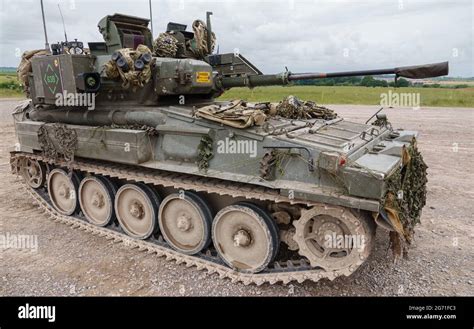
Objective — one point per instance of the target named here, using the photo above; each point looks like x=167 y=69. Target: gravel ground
x=70 y=262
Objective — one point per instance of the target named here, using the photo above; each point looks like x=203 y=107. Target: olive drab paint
x=304 y=161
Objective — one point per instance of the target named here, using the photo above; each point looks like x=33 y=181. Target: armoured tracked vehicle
x=143 y=153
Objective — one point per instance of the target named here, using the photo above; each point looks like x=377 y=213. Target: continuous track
x=208 y=260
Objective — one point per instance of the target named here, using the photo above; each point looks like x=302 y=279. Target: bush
x=11 y=85
x=369 y=81
x=403 y=82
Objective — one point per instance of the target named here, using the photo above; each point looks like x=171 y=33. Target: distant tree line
x=8 y=70
x=367 y=81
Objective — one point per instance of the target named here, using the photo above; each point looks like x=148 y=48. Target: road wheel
x=136 y=207
x=62 y=189
x=245 y=238
x=96 y=197
x=185 y=222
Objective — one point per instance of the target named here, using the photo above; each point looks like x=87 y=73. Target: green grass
x=7 y=77
x=9 y=86
x=7 y=93
x=353 y=95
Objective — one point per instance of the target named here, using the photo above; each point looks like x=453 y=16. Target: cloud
x=306 y=35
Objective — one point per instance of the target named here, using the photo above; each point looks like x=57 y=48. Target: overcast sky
x=304 y=35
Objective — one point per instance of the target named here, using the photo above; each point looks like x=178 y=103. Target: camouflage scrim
x=131 y=77
x=241 y=114
x=294 y=108
x=57 y=140
x=198 y=45
x=170 y=45
x=237 y=114
x=205 y=153
x=166 y=45
x=25 y=67
x=406 y=196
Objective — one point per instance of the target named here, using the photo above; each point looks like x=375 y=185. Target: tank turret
x=115 y=69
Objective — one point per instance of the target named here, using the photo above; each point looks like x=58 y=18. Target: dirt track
x=441 y=262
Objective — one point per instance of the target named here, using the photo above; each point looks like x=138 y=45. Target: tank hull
x=284 y=176
x=174 y=146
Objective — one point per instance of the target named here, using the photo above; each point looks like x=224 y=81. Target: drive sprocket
x=334 y=238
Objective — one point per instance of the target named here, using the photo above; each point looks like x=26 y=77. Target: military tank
x=143 y=153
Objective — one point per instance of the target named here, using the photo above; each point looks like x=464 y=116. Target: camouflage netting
x=166 y=45
x=237 y=114
x=205 y=153
x=294 y=108
x=25 y=68
x=198 y=45
x=406 y=197
x=131 y=77
x=57 y=140
x=150 y=131
x=272 y=163
x=241 y=114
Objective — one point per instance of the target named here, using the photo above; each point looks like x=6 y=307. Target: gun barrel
x=311 y=76
x=411 y=72
x=256 y=80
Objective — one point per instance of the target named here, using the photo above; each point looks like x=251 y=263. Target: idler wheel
x=34 y=172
